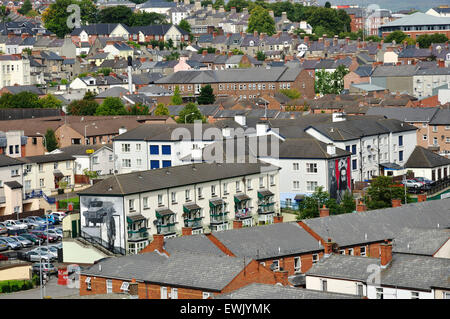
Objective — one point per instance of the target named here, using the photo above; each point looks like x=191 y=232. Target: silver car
x=23 y=241
x=11 y=243
x=3 y=229
x=34 y=256
x=51 y=250
x=30 y=223
x=16 y=223
x=55 y=233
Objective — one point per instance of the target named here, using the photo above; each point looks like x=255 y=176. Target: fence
x=39 y=212
x=439 y=185
x=99 y=241
x=81 y=179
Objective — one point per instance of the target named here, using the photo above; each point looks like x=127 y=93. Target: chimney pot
x=277 y=219
x=186 y=231
x=324 y=211
x=237 y=224
x=281 y=276
x=396 y=202
x=386 y=254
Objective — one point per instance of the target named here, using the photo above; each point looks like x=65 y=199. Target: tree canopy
x=28 y=100
x=111 y=106
x=26 y=7
x=330 y=83
x=125 y=15
x=161 y=109
x=206 y=95
x=82 y=107
x=50 y=140
x=184 y=25
x=261 y=21
x=426 y=40
x=192 y=113
x=381 y=192
x=176 y=98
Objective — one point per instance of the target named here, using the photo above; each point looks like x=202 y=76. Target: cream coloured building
x=14 y=70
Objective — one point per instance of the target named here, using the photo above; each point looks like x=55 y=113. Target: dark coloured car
x=43 y=235
x=33 y=238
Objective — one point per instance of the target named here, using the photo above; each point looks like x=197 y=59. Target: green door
x=74 y=229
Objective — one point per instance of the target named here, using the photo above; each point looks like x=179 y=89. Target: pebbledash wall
x=254 y=272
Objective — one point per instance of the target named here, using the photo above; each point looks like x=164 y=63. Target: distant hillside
x=393 y=5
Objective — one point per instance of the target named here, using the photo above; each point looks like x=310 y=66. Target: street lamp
x=85 y=141
x=185 y=118
x=45 y=140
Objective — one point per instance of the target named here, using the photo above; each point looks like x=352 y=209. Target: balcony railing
x=166 y=229
x=266 y=208
x=219 y=217
x=138 y=234
x=243 y=213
x=194 y=223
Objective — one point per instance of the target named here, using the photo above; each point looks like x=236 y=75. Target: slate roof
x=75 y=150
x=420 y=241
x=424 y=158
x=198 y=244
x=265 y=291
x=199 y=271
x=24 y=88
x=48 y=158
x=364 y=70
x=417 y=19
x=441 y=117
x=174 y=176
x=394 y=71
x=381 y=224
x=112 y=92
x=268 y=241
x=13 y=184
x=406 y=114
x=404 y=271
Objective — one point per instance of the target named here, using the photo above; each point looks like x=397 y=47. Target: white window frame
x=351 y=251
x=379 y=293
x=365 y=251
x=415 y=295
x=206 y=295
x=109 y=286
x=277 y=262
x=297 y=264
x=311 y=168
x=125 y=285
x=295 y=166
x=323 y=285
x=316 y=259
x=88 y=283
x=174 y=293
x=359 y=286
x=163 y=292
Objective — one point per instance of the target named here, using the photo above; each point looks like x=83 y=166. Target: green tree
x=381 y=192
x=82 y=107
x=261 y=21
x=50 y=140
x=426 y=40
x=4 y=12
x=111 y=106
x=397 y=36
x=348 y=203
x=291 y=93
x=20 y=100
x=176 y=98
x=218 y=3
x=161 y=109
x=206 y=95
x=327 y=4
x=50 y=102
x=145 y=18
x=115 y=14
x=184 y=25
x=192 y=113
x=238 y=4
x=260 y=56
x=25 y=8
x=330 y=83
x=104 y=71
x=138 y=109
x=309 y=207
x=338 y=79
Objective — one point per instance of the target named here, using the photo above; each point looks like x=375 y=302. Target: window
x=213 y=190
x=414 y=295
x=14 y=172
x=238 y=185
x=88 y=283
x=109 y=286
x=311 y=186
x=55 y=165
x=435 y=129
x=138 y=162
x=199 y=192
x=126 y=148
x=166 y=163
x=296 y=184
x=354 y=164
x=323 y=285
x=249 y=184
x=163 y=292
x=272 y=180
x=11 y=149
x=400 y=156
x=400 y=140
x=173 y=196
x=354 y=149
x=425 y=137
x=359 y=289
x=342 y=251
x=154 y=164
x=297 y=264
x=261 y=182
x=138 y=147
x=225 y=188
x=206 y=295
x=145 y=202
x=187 y=194
x=362 y=250
x=165 y=149
x=131 y=205
x=154 y=149
x=126 y=162
x=174 y=293
x=311 y=167
x=160 y=199
x=315 y=258
x=379 y=292
x=124 y=286
x=276 y=265
x=295 y=166
x=350 y=251
x=41 y=182
x=17 y=149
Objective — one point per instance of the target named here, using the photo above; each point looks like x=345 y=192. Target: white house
x=14 y=70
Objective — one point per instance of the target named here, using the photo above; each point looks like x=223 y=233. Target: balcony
x=166 y=229
x=266 y=208
x=194 y=223
x=218 y=217
x=137 y=235
x=243 y=213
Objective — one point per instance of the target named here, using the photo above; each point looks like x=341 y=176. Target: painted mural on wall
x=339 y=175
x=103 y=218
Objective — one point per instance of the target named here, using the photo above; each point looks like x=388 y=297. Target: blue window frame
x=154 y=164
x=354 y=149
x=166 y=163
x=354 y=166
x=154 y=149
x=400 y=140
x=165 y=149
x=347 y=148
x=400 y=156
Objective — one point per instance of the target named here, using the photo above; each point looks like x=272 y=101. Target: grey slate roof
x=394 y=71
x=404 y=271
x=5 y=160
x=199 y=271
x=424 y=158
x=198 y=244
x=269 y=241
x=406 y=114
x=48 y=158
x=81 y=149
x=381 y=224
x=13 y=184
x=420 y=241
x=265 y=291
x=174 y=176
x=441 y=117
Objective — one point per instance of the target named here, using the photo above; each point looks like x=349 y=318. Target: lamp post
x=48 y=250
x=185 y=118
x=85 y=141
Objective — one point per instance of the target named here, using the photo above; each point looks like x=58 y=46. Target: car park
x=59 y=216
x=3 y=229
x=47 y=268
x=33 y=238
x=11 y=243
x=411 y=183
x=30 y=223
x=23 y=241
x=18 y=224
x=53 y=232
x=9 y=227
x=44 y=250
x=43 y=235
x=35 y=256
x=3 y=246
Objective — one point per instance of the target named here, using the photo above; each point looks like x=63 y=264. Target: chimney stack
x=186 y=231
x=281 y=276
x=237 y=224
x=324 y=211
x=204 y=52
x=328 y=247
x=158 y=242
x=133 y=288
x=277 y=219
x=360 y=206
x=386 y=254
x=396 y=202
x=233 y=10
x=422 y=197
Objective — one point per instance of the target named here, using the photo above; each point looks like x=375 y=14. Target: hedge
x=15 y=285
x=63 y=203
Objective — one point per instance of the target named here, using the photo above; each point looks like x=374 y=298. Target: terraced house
x=243 y=83
x=187 y=198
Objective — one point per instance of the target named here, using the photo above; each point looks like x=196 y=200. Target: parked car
x=48 y=268
x=33 y=238
x=3 y=229
x=30 y=223
x=51 y=218
x=23 y=241
x=43 y=235
x=18 y=224
x=8 y=226
x=53 y=232
x=3 y=257
x=3 y=246
x=11 y=243
x=35 y=256
x=59 y=215
x=411 y=183
x=44 y=250
x=424 y=181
